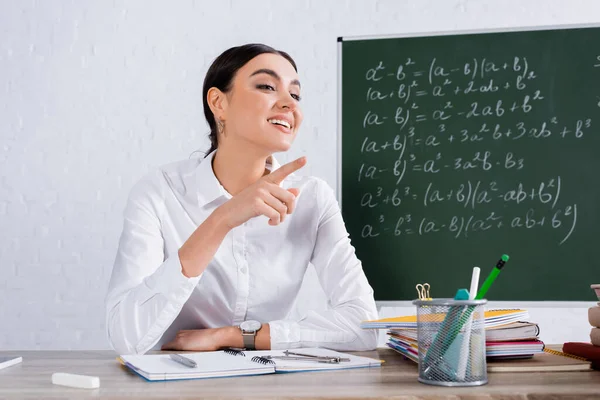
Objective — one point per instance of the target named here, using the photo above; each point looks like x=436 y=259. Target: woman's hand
x=204 y=339
x=264 y=197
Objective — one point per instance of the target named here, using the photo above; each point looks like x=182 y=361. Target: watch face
x=250 y=326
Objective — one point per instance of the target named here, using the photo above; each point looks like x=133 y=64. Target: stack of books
x=506 y=335
x=589 y=351
x=515 y=340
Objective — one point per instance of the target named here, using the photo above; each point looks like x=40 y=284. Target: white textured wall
x=95 y=93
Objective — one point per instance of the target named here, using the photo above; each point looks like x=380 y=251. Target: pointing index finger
x=282 y=172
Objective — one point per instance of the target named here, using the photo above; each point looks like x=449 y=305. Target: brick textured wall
x=95 y=93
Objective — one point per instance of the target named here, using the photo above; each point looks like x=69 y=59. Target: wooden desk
x=397 y=379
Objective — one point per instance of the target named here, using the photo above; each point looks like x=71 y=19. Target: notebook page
x=300 y=365
x=210 y=364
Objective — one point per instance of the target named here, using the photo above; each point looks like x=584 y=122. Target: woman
x=198 y=266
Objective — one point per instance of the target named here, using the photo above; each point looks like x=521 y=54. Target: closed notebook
x=549 y=361
x=214 y=364
x=594 y=316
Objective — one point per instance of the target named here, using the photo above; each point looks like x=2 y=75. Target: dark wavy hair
x=221 y=73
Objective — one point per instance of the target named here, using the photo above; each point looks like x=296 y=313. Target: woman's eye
x=271 y=88
x=266 y=87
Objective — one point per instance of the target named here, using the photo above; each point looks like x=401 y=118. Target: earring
x=221 y=126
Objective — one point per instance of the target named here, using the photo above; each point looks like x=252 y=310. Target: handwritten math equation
x=456 y=123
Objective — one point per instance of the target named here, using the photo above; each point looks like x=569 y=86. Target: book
x=8 y=361
x=548 y=361
x=213 y=364
x=521 y=349
x=409 y=347
x=585 y=350
x=594 y=316
x=492 y=318
x=595 y=336
x=407 y=350
x=514 y=331
x=519 y=330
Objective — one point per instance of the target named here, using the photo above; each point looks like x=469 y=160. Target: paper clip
x=423 y=291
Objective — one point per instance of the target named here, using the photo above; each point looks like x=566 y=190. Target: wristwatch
x=249 y=329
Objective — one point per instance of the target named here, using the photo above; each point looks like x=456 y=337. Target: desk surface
x=397 y=379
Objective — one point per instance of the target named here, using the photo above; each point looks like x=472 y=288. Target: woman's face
x=263 y=104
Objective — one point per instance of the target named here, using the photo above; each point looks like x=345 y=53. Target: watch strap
x=249 y=340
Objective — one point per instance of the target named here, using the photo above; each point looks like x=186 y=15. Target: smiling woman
x=249 y=91
x=213 y=252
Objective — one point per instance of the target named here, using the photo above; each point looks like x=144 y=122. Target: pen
x=326 y=358
x=491 y=277
x=188 y=362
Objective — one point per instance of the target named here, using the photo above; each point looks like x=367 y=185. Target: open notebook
x=214 y=364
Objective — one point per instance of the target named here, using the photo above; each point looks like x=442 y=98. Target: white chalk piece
x=76 y=381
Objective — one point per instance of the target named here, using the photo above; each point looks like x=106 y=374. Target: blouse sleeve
x=345 y=284
x=146 y=291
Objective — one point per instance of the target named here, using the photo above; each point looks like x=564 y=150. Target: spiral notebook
x=216 y=364
x=492 y=318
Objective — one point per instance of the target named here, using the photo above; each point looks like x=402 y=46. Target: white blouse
x=255 y=274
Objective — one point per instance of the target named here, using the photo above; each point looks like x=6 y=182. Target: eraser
x=462 y=294
x=76 y=381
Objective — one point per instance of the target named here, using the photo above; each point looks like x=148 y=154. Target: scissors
x=423 y=291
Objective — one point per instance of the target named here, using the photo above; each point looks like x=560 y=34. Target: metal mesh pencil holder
x=451 y=342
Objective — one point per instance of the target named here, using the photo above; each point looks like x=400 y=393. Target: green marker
x=491 y=277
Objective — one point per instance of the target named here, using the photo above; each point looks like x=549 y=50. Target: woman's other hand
x=203 y=339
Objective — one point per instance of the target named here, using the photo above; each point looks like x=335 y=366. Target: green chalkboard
x=458 y=148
